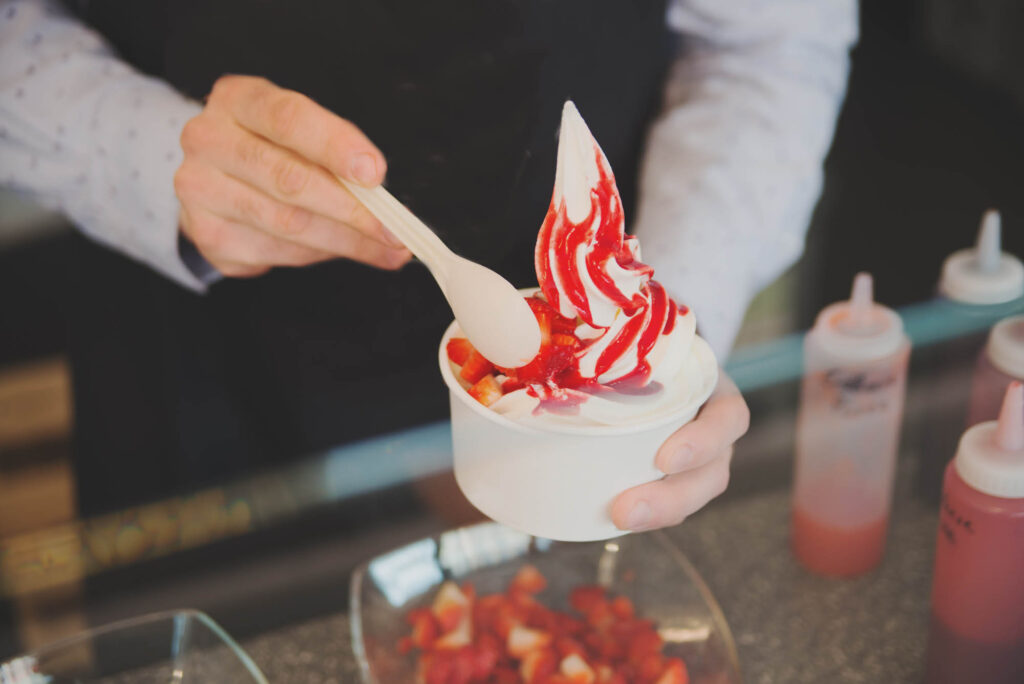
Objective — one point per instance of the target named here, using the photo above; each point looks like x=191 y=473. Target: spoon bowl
x=492 y=313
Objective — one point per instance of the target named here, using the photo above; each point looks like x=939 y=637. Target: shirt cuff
x=138 y=127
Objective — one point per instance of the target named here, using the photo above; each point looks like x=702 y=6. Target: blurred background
x=931 y=135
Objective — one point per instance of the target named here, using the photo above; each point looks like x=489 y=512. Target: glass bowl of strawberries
x=486 y=604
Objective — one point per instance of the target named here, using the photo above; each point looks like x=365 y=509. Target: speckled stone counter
x=790 y=626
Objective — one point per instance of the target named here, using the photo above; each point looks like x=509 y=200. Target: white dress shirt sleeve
x=83 y=132
x=733 y=166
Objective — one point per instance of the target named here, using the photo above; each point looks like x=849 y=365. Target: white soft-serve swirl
x=584 y=202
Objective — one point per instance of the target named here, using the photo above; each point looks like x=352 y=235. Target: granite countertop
x=789 y=626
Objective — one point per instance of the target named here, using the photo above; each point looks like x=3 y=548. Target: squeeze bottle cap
x=983 y=274
x=859 y=329
x=1005 y=346
x=991 y=455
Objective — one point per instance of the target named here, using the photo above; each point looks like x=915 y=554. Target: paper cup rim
x=684 y=411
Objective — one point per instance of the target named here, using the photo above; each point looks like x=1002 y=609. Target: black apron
x=175 y=390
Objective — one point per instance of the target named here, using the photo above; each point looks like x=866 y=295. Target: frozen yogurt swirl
x=587 y=267
x=616 y=349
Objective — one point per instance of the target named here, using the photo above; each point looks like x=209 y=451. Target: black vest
x=173 y=389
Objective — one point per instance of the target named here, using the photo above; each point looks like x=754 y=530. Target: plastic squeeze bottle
x=977 y=625
x=851 y=405
x=1000 y=362
x=983 y=274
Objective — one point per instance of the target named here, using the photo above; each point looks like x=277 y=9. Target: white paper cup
x=557 y=481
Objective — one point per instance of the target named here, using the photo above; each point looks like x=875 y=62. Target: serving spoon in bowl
x=490 y=311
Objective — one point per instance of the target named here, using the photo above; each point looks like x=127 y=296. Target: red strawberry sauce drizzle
x=652 y=312
x=606 y=241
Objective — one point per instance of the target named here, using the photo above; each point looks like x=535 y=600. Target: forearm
x=734 y=164
x=83 y=132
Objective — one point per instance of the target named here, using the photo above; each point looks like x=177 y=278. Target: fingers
x=723 y=420
x=234 y=244
x=220 y=142
x=670 y=500
x=223 y=202
x=295 y=122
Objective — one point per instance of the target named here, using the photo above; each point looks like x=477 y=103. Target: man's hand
x=258 y=188
x=696 y=461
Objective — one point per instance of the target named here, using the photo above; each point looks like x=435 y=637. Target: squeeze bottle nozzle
x=1010 y=427
x=990 y=458
x=989 y=246
x=983 y=274
x=862 y=302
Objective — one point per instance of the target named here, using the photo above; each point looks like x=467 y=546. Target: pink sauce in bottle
x=977 y=621
x=851 y=406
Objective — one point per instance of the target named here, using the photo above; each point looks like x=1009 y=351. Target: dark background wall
x=931 y=135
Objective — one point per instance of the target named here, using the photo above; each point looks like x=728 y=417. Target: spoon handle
x=420 y=240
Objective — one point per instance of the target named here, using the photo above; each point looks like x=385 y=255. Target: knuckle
x=247 y=209
x=290 y=176
x=283 y=113
x=228 y=86
x=250 y=150
x=223 y=87
x=292 y=220
x=192 y=134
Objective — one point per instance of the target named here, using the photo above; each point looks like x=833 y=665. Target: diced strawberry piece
x=600 y=615
x=583 y=598
x=487 y=653
x=424 y=632
x=468 y=590
x=413 y=616
x=576 y=669
x=476 y=367
x=485 y=612
x=642 y=645
x=461 y=635
x=522 y=640
x=486 y=390
x=509 y=615
x=557 y=678
x=543 y=619
x=529 y=580
x=511 y=385
x=463 y=666
x=405 y=645
x=566 y=645
x=564 y=340
x=545 y=315
x=607 y=675
x=651 y=666
x=609 y=647
x=570 y=625
x=622 y=607
x=505 y=675
x=459 y=349
x=675 y=673
x=437 y=669
x=537 y=664
x=450 y=605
